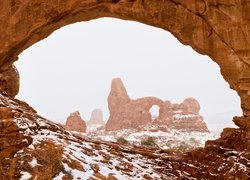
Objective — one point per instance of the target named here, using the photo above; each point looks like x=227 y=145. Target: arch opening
x=219 y=30
x=155 y=112
x=204 y=36
x=76 y=66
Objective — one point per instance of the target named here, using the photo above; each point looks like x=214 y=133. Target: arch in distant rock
x=215 y=28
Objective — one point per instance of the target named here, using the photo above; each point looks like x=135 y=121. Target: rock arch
x=215 y=28
x=127 y=113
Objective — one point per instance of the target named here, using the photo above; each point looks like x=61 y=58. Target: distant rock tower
x=96 y=118
x=75 y=123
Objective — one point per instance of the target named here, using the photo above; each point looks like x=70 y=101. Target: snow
x=94 y=127
x=182 y=116
x=85 y=153
x=33 y=163
x=170 y=139
x=76 y=173
x=25 y=176
x=72 y=151
x=59 y=177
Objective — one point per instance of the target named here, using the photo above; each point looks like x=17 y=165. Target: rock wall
x=217 y=28
x=126 y=113
x=75 y=123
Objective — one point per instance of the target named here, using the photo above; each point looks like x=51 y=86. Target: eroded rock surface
x=33 y=147
x=9 y=81
x=75 y=123
x=126 y=113
x=217 y=28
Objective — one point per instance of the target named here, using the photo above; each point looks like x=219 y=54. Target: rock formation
x=126 y=113
x=9 y=81
x=75 y=123
x=217 y=28
x=33 y=147
x=96 y=120
x=96 y=117
x=118 y=96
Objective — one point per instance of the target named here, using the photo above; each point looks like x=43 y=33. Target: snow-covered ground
x=87 y=154
x=170 y=139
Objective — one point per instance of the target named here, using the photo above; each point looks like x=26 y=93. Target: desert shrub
x=148 y=142
x=121 y=140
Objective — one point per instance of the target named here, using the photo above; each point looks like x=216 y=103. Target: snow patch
x=25 y=176
x=33 y=163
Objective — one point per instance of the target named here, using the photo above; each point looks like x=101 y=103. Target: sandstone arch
x=215 y=28
x=126 y=113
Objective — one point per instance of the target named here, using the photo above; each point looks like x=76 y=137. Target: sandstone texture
x=35 y=148
x=9 y=82
x=75 y=123
x=126 y=113
x=217 y=28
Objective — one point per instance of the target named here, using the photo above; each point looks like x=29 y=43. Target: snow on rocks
x=79 y=156
x=35 y=148
x=169 y=139
x=33 y=163
x=25 y=176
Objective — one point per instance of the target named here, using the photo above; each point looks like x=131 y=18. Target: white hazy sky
x=72 y=70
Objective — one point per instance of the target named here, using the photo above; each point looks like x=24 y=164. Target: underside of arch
x=215 y=28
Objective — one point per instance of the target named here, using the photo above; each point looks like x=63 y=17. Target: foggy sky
x=72 y=70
